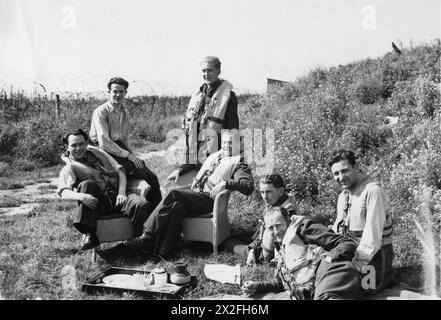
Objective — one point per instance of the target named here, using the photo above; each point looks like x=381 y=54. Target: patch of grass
x=33 y=268
x=10 y=201
x=47 y=187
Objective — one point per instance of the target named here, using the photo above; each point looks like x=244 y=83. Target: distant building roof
x=274 y=83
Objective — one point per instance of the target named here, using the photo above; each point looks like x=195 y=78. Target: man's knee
x=172 y=196
x=137 y=201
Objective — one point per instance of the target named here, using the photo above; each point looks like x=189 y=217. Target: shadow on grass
x=411 y=276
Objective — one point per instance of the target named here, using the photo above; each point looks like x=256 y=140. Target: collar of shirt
x=209 y=89
x=112 y=108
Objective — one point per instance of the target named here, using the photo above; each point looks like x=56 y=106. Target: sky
x=77 y=45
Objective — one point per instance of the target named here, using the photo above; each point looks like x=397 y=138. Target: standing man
x=223 y=170
x=94 y=179
x=110 y=130
x=362 y=213
x=212 y=107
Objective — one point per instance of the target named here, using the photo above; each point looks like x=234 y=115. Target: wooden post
x=153 y=102
x=57 y=106
x=179 y=104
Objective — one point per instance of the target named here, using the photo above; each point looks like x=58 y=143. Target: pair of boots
x=146 y=244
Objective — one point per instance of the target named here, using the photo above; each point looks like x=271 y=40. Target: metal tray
x=170 y=291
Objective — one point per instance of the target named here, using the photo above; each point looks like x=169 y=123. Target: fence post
x=57 y=106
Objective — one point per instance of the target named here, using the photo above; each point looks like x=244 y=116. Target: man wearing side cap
x=212 y=107
x=110 y=130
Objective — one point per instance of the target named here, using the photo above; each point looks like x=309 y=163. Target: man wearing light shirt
x=110 y=130
x=94 y=179
x=362 y=213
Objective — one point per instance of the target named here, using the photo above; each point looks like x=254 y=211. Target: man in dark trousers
x=223 y=170
x=94 y=179
x=110 y=130
x=212 y=107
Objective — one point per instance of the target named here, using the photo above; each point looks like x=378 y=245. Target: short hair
x=279 y=209
x=275 y=179
x=118 y=80
x=79 y=132
x=213 y=60
x=340 y=155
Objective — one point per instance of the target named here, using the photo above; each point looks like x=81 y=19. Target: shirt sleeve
x=102 y=131
x=66 y=179
x=339 y=247
x=242 y=179
x=371 y=238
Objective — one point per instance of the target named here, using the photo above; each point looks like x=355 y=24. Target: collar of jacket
x=209 y=89
x=282 y=199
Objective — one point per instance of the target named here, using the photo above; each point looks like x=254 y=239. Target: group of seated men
x=313 y=261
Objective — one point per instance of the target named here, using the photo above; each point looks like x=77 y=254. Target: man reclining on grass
x=98 y=183
x=313 y=261
x=272 y=189
x=223 y=170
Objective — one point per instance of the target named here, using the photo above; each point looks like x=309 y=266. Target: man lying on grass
x=313 y=261
x=223 y=170
x=98 y=183
x=272 y=189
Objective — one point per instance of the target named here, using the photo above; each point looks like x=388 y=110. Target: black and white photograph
x=219 y=156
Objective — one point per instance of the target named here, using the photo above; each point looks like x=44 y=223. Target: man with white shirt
x=223 y=170
x=110 y=130
x=362 y=213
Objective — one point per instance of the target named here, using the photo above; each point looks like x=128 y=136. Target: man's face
x=209 y=72
x=230 y=146
x=77 y=146
x=270 y=194
x=345 y=174
x=276 y=225
x=117 y=93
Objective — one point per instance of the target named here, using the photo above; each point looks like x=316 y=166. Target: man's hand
x=217 y=189
x=120 y=199
x=138 y=162
x=174 y=176
x=89 y=201
x=249 y=288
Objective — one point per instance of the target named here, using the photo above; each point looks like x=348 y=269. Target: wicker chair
x=211 y=227
x=119 y=227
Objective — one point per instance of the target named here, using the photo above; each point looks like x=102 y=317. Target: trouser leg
x=132 y=172
x=336 y=280
x=382 y=263
x=190 y=202
x=137 y=208
x=86 y=218
x=168 y=244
